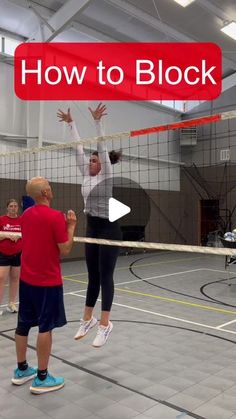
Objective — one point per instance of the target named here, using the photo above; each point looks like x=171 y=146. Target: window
x=178 y=105
x=8 y=45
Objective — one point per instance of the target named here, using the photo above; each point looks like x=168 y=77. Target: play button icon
x=117 y=209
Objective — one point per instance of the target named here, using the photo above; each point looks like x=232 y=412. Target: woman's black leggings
x=101 y=261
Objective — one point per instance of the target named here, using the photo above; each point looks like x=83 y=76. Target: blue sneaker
x=21 y=377
x=49 y=384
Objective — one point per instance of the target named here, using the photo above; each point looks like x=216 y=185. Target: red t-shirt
x=10 y=225
x=42 y=229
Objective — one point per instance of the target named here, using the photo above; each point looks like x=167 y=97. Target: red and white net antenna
x=187 y=123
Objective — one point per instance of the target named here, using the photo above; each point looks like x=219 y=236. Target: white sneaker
x=85 y=326
x=11 y=308
x=102 y=335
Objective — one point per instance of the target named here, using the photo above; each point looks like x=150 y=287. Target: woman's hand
x=99 y=112
x=64 y=117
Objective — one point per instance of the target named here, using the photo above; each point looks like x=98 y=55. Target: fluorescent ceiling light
x=184 y=3
x=230 y=30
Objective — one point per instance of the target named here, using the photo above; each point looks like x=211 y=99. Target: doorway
x=209 y=220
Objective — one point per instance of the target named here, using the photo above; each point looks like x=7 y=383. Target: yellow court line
x=79 y=274
x=140 y=266
x=172 y=300
x=75 y=280
x=167 y=262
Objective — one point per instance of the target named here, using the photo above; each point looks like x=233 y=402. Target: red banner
x=118 y=71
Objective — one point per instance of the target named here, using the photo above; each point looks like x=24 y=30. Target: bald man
x=46 y=234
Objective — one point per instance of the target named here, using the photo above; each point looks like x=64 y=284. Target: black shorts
x=10 y=260
x=40 y=306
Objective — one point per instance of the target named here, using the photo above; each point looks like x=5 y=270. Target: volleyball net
x=179 y=180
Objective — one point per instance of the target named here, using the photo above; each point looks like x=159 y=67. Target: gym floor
x=171 y=353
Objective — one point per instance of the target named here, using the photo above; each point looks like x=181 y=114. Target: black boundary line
x=159 y=286
x=2 y=332
x=213 y=301
x=211 y=298
x=112 y=381
x=115 y=382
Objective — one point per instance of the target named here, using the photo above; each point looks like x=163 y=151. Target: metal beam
x=64 y=16
x=26 y=3
x=149 y=20
x=92 y=33
x=210 y=7
x=228 y=82
x=61 y=19
x=163 y=27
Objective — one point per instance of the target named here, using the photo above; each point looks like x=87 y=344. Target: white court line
x=166 y=275
x=159 y=276
x=131 y=282
x=226 y=324
x=73 y=292
x=216 y=270
x=151 y=277
x=178 y=319
x=68 y=293
x=5 y=305
x=220 y=327
x=148 y=279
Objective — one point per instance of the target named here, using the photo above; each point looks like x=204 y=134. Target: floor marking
x=141 y=279
x=138 y=280
x=226 y=324
x=178 y=319
x=161 y=276
x=216 y=270
x=71 y=275
x=86 y=273
x=74 y=280
x=166 y=262
x=159 y=297
x=74 y=292
x=140 y=265
x=5 y=305
x=173 y=300
x=68 y=277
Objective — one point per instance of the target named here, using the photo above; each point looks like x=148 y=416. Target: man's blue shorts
x=40 y=306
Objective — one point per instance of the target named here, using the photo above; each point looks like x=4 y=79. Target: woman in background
x=10 y=252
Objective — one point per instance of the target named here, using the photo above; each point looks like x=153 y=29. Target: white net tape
x=224 y=251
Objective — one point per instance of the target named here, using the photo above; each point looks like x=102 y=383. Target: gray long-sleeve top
x=96 y=190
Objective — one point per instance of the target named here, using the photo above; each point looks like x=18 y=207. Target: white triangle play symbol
x=117 y=209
